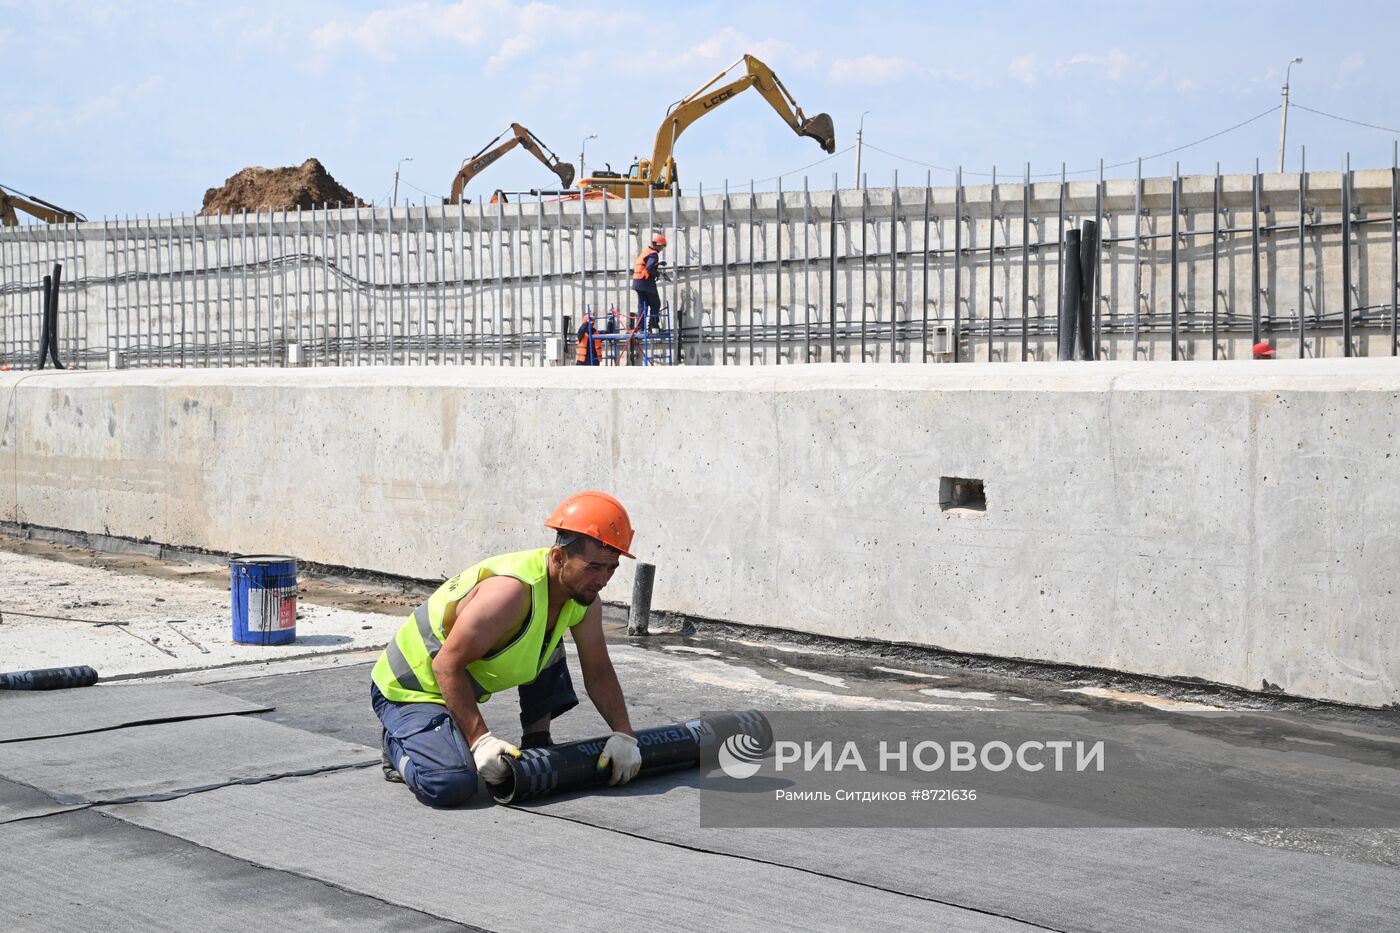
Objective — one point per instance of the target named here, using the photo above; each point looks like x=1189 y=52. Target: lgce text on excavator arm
x=658 y=174
x=11 y=201
x=488 y=155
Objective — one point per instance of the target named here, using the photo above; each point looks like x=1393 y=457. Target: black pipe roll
x=49 y=678
x=559 y=769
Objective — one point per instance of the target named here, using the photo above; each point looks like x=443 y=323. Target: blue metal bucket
x=264 y=591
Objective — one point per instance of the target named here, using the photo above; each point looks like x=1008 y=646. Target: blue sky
x=116 y=108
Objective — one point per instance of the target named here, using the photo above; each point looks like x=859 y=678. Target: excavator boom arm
x=708 y=97
x=520 y=136
x=11 y=201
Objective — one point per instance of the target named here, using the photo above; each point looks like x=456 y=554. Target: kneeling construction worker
x=496 y=625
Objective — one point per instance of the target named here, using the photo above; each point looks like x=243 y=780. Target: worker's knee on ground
x=446 y=788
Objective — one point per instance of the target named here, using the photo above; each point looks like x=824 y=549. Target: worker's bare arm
x=493 y=608
x=599 y=678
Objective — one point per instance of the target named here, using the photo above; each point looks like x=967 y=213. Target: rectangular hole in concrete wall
x=960 y=493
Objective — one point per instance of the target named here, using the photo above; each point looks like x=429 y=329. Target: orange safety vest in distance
x=639 y=271
x=581 y=354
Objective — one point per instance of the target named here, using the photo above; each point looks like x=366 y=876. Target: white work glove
x=487 y=752
x=625 y=756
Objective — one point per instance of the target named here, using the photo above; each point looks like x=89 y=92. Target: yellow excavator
x=658 y=175
x=11 y=201
x=519 y=136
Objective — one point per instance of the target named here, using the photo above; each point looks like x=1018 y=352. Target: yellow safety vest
x=404 y=672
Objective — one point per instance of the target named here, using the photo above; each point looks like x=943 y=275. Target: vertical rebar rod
x=957 y=267
x=1175 y=259
x=1302 y=250
x=219 y=293
x=1137 y=258
x=1346 y=256
x=864 y=254
x=831 y=271
x=180 y=276
x=703 y=274
x=778 y=277
x=1255 y=330
x=582 y=294
x=459 y=332
x=749 y=295
x=243 y=284
x=806 y=271
x=422 y=283
x=538 y=319
x=498 y=245
x=923 y=291
x=606 y=300
x=724 y=277
x=677 y=342
x=1395 y=248
x=1215 y=266
x=1026 y=264
x=1096 y=297
x=992 y=259
x=1060 y=259
x=372 y=268
x=354 y=289
x=894 y=267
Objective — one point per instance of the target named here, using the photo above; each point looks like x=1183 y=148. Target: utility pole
x=396 y=178
x=1283 y=124
x=581 y=147
x=860 y=132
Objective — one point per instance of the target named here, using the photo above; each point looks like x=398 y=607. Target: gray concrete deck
x=259 y=813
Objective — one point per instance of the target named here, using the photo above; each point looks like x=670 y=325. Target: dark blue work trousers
x=430 y=753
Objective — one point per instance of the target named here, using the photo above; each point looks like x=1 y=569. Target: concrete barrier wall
x=1236 y=522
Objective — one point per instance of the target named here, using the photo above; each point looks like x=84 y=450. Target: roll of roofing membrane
x=560 y=769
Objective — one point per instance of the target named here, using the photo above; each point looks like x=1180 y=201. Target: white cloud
x=1353 y=63
x=1112 y=65
x=872 y=69
x=509 y=27
x=1023 y=69
x=1186 y=84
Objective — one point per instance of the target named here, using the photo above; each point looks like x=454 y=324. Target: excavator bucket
x=821 y=129
x=565 y=171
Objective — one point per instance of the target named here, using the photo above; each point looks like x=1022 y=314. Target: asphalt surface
x=233 y=818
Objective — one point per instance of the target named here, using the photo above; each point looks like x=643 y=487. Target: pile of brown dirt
x=307 y=186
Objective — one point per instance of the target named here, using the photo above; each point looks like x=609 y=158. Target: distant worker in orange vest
x=644 y=275
x=589 y=347
x=1262 y=350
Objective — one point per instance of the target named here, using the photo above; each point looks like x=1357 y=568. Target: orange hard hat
x=1262 y=350
x=659 y=240
x=597 y=515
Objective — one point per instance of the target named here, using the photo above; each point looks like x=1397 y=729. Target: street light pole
x=1283 y=123
x=581 y=147
x=860 y=133
x=396 y=178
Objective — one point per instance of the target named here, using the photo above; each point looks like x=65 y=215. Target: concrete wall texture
x=1236 y=522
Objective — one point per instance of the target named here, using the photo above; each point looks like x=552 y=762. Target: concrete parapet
x=1231 y=521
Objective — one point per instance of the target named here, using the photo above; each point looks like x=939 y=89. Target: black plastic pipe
x=44 y=321
x=53 y=316
x=561 y=769
x=49 y=678
x=1088 y=263
x=1070 y=294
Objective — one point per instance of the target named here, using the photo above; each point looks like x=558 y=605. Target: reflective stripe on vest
x=404 y=672
x=639 y=271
